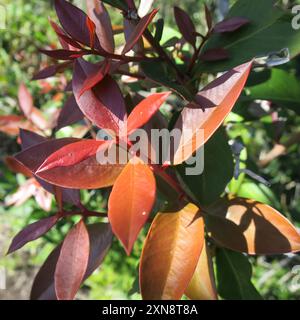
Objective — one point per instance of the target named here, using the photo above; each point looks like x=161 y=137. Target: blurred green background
x=27 y=29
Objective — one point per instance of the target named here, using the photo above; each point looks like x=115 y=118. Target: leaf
x=30 y=138
x=50 y=71
x=185 y=25
x=72 y=262
x=208 y=17
x=104 y=104
x=231 y=24
x=171 y=253
x=25 y=100
x=198 y=122
x=10 y=124
x=139 y=30
x=202 y=286
x=234 y=276
x=16 y=166
x=144 y=111
x=32 y=232
x=100 y=236
x=81 y=162
x=62 y=54
x=69 y=114
x=128 y=214
x=276 y=85
x=97 y=76
x=217 y=163
x=215 y=54
x=144 y=7
x=74 y=22
x=101 y=18
x=249 y=226
x=269 y=31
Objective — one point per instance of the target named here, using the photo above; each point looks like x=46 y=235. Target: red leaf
x=50 y=71
x=185 y=25
x=101 y=18
x=230 y=25
x=97 y=76
x=92 y=29
x=128 y=214
x=171 y=253
x=104 y=104
x=139 y=30
x=32 y=232
x=72 y=154
x=144 y=111
x=62 y=54
x=25 y=100
x=216 y=54
x=72 y=262
x=100 y=240
x=214 y=103
x=17 y=167
x=249 y=226
x=69 y=114
x=73 y=21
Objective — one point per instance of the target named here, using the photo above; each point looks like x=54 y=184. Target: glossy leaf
x=185 y=25
x=202 y=286
x=32 y=232
x=139 y=30
x=128 y=214
x=69 y=114
x=143 y=112
x=74 y=22
x=104 y=104
x=214 y=103
x=171 y=253
x=72 y=262
x=234 y=276
x=101 y=18
x=100 y=236
x=231 y=24
x=249 y=226
x=217 y=162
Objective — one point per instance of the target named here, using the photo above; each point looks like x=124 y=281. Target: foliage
x=97 y=67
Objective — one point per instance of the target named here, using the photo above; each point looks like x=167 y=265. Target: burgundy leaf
x=139 y=30
x=208 y=17
x=62 y=54
x=99 y=73
x=231 y=24
x=72 y=262
x=25 y=100
x=69 y=114
x=215 y=54
x=32 y=232
x=104 y=104
x=101 y=18
x=92 y=31
x=50 y=71
x=185 y=25
x=129 y=29
x=30 y=138
x=74 y=22
x=100 y=235
x=17 y=167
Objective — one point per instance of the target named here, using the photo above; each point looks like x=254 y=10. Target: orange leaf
x=202 y=286
x=171 y=253
x=131 y=201
x=72 y=262
x=249 y=226
x=214 y=103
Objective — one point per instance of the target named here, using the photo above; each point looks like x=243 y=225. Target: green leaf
x=234 y=276
x=160 y=74
x=218 y=170
x=269 y=30
x=120 y=4
x=281 y=87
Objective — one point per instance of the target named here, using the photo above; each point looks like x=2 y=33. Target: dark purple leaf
x=185 y=25
x=32 y=232
x=215 y=54
x=69 y=114
x=231 y=24
x=100 y=235
x=62 y=54
x=30 y=138
x=50 y=71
